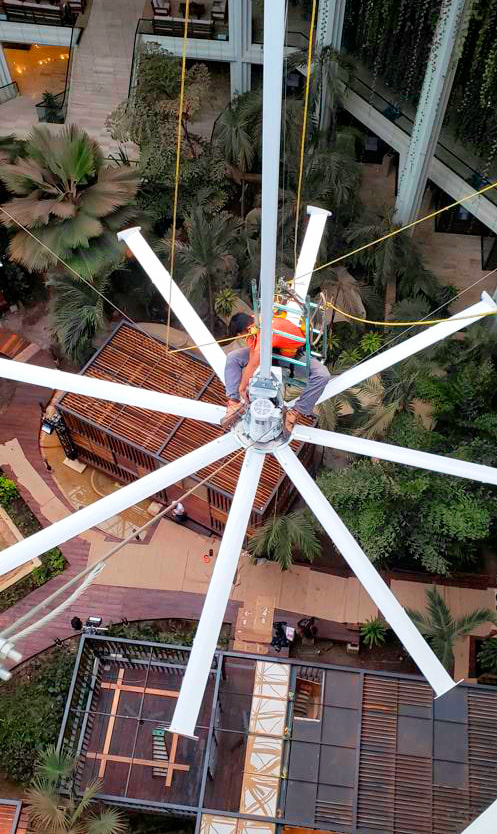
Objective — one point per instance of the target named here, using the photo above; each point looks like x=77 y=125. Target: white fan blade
x=432 y=333
x=101 y=389
x=485 y=823
x=396 y=454
x=181 y=307
x=307 y=258
x=274 y=29
x=204 y=646
x=118 y=501
x=438 y=677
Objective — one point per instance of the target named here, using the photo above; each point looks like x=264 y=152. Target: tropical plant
x=337 y=409
x=281 y=535
x=405 y=516
x=10 y=148
x=225 y=302
x=442 y=630
x=31 y=709
x=385 y=260
x=69 y=200
x=487 y=656
x=330 y=180
x=233 y=134
x=77 y=314
x=8 y=491
x=52 y=109
x=205 y=262
x=52 y=813
x=373 y=632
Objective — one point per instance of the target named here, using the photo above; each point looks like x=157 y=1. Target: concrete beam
x=437 y=86
x=438 y=172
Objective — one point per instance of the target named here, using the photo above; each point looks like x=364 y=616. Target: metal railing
x=392 y=111
x=49 y=14
x=55 y=110
x=293 y=39
x=209 y=29
x=8 y=92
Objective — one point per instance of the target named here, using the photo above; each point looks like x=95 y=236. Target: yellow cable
x=408 y=323
x=178 y=161
x=397 y=231
x=304 y=129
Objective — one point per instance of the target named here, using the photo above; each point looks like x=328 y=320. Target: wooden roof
x=136 y=359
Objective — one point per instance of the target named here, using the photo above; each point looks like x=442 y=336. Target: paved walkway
x=102 y=67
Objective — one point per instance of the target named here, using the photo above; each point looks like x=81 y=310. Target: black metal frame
x=196 y=811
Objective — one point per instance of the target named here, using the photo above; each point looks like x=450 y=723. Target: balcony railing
x=391 y=110
x=47 y=13
x=8 y=92
x=208 y=19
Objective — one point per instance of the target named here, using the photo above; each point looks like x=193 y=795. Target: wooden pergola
x=128 y=442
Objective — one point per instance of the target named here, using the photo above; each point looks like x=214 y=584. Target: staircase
x=159 y=750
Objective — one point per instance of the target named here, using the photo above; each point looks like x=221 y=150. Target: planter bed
x=50 y=564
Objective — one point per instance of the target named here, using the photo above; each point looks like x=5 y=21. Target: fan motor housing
x=263 y=420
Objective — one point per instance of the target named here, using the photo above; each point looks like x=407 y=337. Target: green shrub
x=52 y=563
x=8 y=491
x=373 y=632
x=31 y=708
x=487 y=656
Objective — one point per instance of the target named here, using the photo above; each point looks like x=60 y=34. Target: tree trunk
x=242 y=199
x=211 y=304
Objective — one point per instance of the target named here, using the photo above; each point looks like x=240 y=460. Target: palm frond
x=53 y=766
x=469 y=622
x=108 y=821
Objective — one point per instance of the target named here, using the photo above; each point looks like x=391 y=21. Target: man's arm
x=250 y=369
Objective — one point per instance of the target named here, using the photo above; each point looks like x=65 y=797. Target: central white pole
x=274 y=37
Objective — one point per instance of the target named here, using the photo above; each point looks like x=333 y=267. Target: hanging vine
x=394 y=38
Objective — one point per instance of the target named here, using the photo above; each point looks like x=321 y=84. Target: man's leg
x=319 y=376
x=236 y=361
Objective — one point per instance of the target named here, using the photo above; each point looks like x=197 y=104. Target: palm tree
x=395 y=392
x=442 y=630
x=331 y=180
x=385 y=260
x=233 y=135
x=10 y=148
x=77 y=314
x=224 y=304
x=281 y=535
x=335 y=409
x=51 y=813
x=67 y=198
x=206 y=261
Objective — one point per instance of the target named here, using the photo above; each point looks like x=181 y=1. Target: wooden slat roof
x=133 y=358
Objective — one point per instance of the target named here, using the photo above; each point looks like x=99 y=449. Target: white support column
x=240 y=35
x=274 y=37
x=5 y=76
x=437 y=86
x=328 y=33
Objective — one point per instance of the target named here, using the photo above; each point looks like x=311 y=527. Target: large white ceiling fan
x=197 y=672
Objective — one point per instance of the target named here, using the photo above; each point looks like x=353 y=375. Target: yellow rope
x=408 y=323
x=304 y=129
x=178 y=160
x=397 y=231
